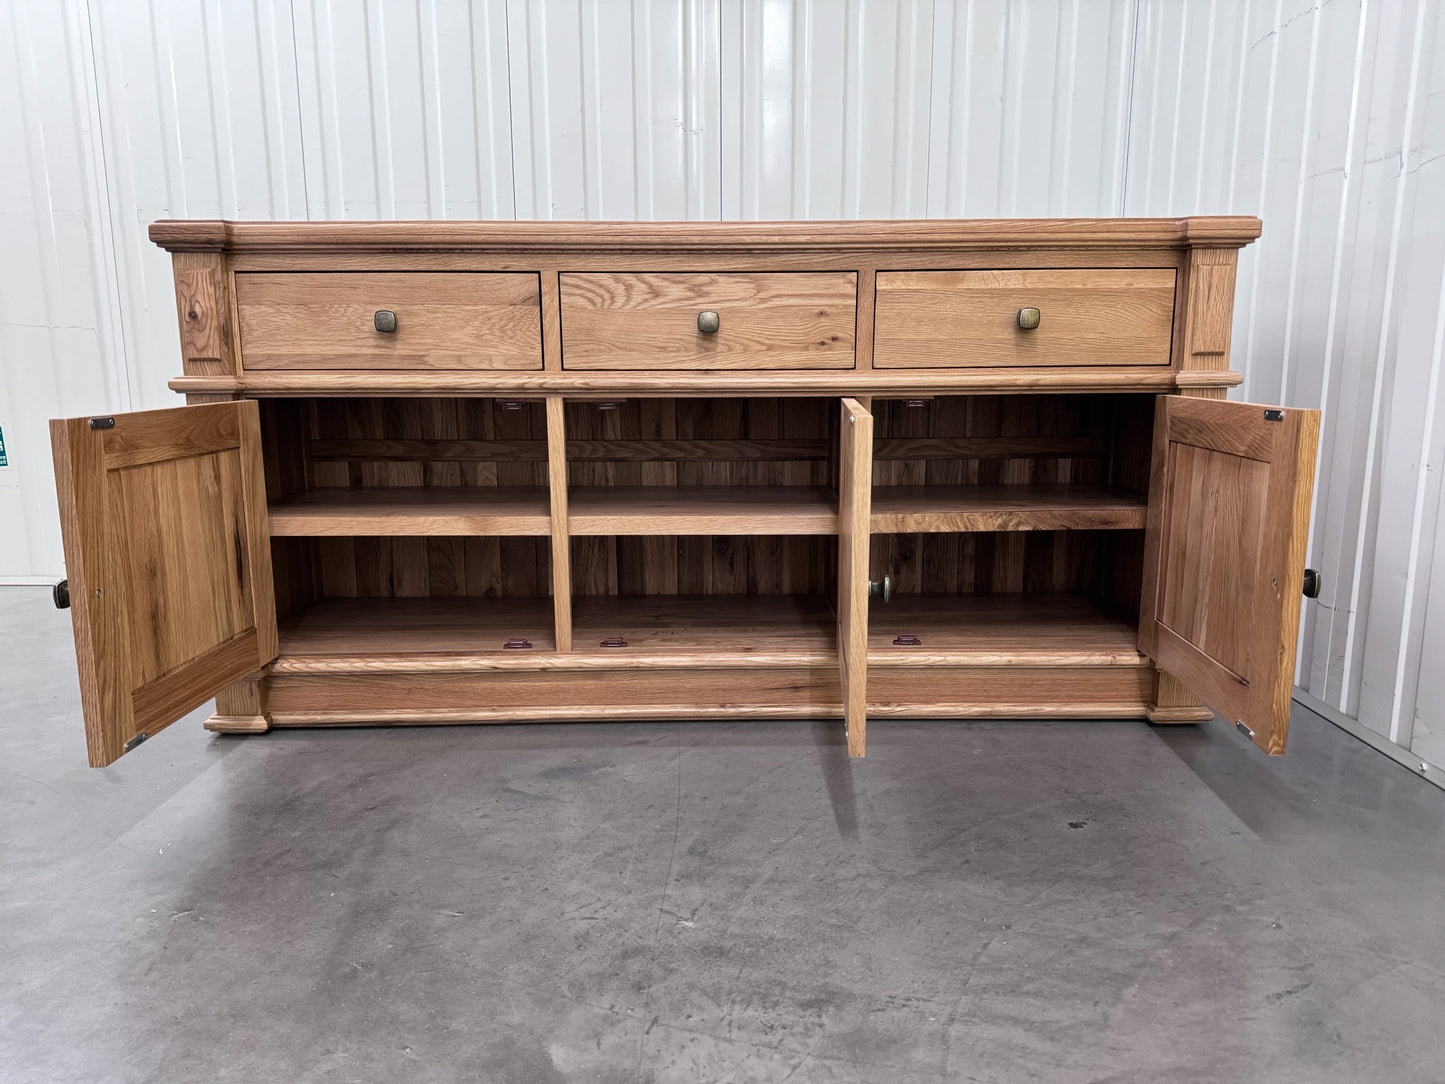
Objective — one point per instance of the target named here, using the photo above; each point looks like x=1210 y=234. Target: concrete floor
x=706 y=902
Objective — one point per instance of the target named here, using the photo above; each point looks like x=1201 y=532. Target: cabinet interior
x=705 y=525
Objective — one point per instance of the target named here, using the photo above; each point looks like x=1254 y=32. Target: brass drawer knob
x=708 y=322
x=385 y=320
x=1029 y=318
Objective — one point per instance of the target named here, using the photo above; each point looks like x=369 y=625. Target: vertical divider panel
x=855 y=499
x=561 y=532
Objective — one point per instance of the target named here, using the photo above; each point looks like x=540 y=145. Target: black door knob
x=60 y=594
x=1312 y=583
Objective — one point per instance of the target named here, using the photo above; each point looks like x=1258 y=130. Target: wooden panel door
x=1229 y=507
x=855 y=494
x=163 y=514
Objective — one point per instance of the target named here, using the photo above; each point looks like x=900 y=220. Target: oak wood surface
x=650 y=321
x=164 y=523
x=798 y=382
x=986 y=233
x=1026 y=507
x=1229 y=513
x=1000 y=630
x=855 y=486
x=560 y=523
x=984 y=509
x=928 y=319
x=703 y=510
x=325 y=320
x=406 y=510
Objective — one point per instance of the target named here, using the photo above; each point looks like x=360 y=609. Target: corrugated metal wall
x=1324 y=118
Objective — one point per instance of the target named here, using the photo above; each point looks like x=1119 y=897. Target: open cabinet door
x=163 y=514
x=1229 y=506
x=855 y=499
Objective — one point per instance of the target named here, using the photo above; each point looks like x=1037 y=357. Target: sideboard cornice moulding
x=559 y=471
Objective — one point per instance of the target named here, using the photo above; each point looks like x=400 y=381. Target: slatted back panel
x=375 y=442
x=1001 y=440
x=702 y=565
x=700 y=442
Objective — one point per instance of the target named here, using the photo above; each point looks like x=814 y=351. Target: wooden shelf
x=999 y=630
x=437 y=510
x=759 y=630
x=461 y=634
x=902 y=509
x=696 y=510
x=365 y=634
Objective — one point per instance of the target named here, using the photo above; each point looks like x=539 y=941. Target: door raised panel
x=1224 y=556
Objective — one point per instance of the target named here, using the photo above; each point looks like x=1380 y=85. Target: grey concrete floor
x=708 y=902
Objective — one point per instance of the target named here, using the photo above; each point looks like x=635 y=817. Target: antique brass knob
x=708 y=322
x=385 y=320
x=1029 y=318
x=883 y=587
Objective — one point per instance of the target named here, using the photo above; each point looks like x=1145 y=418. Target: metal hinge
x=102 y=423
x=1274 y=415
x=1239 y=726
x=136 y=741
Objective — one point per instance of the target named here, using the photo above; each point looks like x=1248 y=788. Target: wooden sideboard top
x=216 y=235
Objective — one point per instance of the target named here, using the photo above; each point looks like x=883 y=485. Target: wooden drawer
x=963 y=319
x=305 y=320
x=794 y=320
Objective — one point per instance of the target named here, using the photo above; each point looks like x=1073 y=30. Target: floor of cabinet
x=634 y=631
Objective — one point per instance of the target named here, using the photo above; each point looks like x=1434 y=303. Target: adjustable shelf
x=999 y=630
x=903 y=509
x=702 y=510
x=413 y=510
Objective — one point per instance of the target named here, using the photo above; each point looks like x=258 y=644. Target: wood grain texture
x=168 y=561
x=204 y=311
x=983 y=233
x=999 y=630
x=1225 y=555
x=1004 y=508
x=240 y=708
x=560 y=523
x=573 y=695
x=407 y=510
x=985 y=509
x=703 y=510
x=1011 y=692
x=798 y=382
x=325 y=320
x=1174 y=703
x=650 y=321
x=855 y=486
x=969 y=319
x=361 y=630
x=1209 y=316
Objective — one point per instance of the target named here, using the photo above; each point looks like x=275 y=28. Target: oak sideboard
x=479 y=472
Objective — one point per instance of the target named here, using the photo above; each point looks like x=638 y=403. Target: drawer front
x=651 y=321
x=966 y=319
x=305 y=320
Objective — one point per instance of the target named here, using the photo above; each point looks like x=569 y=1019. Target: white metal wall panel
x=1335 y=136
x=55 y=318
x=1324 y=118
